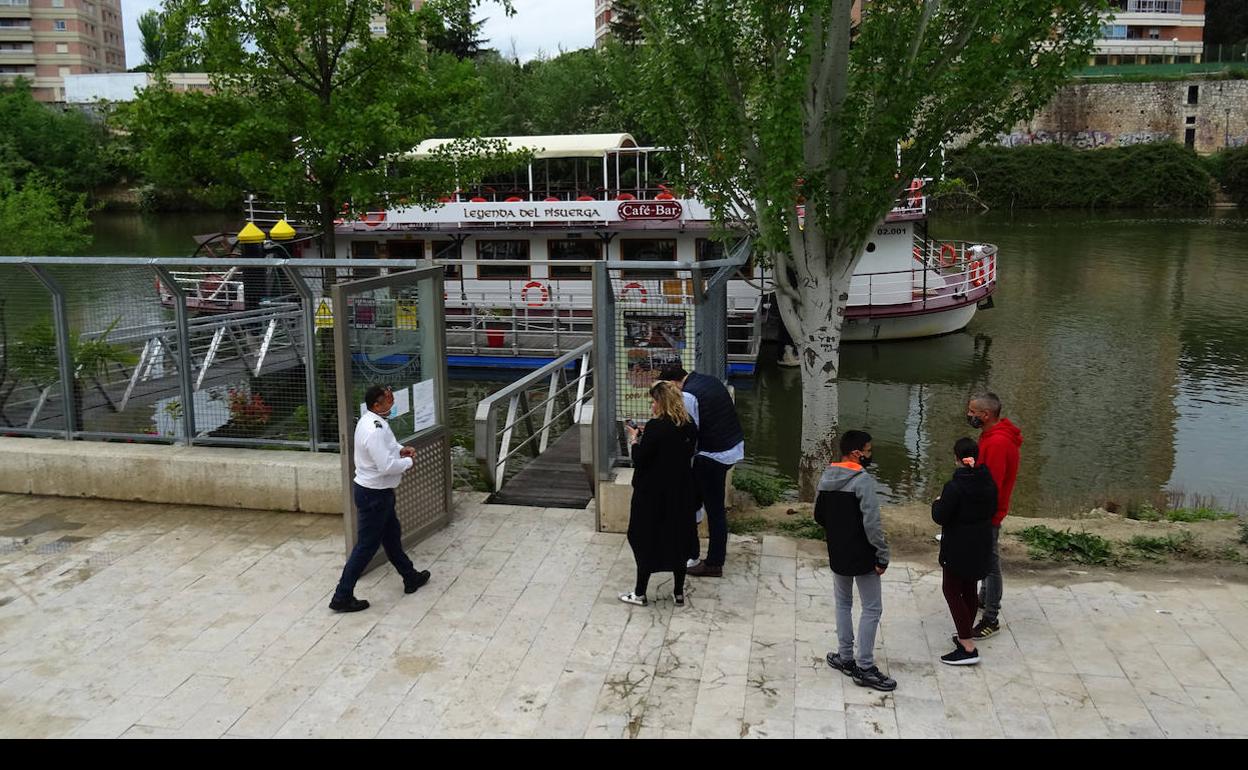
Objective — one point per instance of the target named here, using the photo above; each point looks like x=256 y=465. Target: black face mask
x=974 y=421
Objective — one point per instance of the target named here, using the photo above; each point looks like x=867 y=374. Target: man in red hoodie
x=999 y=440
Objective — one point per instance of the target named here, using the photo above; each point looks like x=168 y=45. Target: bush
x=766 y=489
x=1198 y=514
x=1230 y=167
x=1083 y=547
x=1160 y=175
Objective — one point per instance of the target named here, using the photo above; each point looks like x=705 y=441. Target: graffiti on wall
x=1081 y=140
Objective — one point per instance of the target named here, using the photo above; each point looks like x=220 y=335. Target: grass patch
x=802 y=527
x=746 y=525
x=1158 y=547
x=1045 y=543
x=1198 y=514
x=763 y=487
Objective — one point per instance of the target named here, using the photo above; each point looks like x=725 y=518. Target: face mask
x=974 y=421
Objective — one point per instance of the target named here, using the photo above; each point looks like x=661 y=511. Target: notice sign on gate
x=649 y=341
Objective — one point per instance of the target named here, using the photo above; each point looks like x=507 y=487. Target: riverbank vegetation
x=1159 y=175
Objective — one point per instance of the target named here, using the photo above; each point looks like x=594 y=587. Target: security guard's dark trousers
x=379 y=528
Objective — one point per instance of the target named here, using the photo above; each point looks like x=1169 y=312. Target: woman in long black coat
x=661 y=521
x=964 y=511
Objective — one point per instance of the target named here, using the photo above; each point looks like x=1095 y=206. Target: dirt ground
x=911 y=534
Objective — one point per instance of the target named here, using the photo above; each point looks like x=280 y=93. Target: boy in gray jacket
x=849 y=512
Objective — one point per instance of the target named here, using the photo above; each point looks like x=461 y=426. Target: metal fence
x=648 y=317
x=192 y=351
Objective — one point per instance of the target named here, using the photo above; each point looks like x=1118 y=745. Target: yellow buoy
x=282 y=231
x=251 y=234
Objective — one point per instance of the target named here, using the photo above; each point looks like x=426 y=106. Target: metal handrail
x=493 y=444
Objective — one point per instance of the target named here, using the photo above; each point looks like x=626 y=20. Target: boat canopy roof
x=555 y=146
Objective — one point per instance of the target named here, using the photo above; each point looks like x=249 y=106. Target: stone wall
x=222 y=478
x=1089 y=116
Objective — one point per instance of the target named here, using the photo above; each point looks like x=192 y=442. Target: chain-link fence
x=211 y=352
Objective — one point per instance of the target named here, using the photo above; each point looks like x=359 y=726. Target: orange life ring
x=545 y=294
x=373 y=218
x=948 y=255
x=630 y=287
x=978 y=274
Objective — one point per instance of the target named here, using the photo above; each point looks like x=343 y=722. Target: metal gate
x=390 y=331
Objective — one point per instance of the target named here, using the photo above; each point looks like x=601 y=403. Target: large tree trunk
x=814 y=319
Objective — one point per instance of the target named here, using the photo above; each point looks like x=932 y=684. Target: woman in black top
x=661 y=522
x=964 y=511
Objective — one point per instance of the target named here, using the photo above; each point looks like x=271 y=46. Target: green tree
x=1226 y=22
x=351 y=101
x=166 y=42
x=457 y=33
x=66 y=148
x=37 y=219
x=771 y=103
x=625 y=22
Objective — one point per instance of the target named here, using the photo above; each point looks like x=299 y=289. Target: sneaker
x=692 y=563
x=874 y=678
x=412 y=584
x=350 y=604
x=632 y=598
x=845 y=665
x=702 y=569
x=960 y=657
x=679 y=599
x=985 y=628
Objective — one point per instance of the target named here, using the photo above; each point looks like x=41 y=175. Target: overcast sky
x=539 y=25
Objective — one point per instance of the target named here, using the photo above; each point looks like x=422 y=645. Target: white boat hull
x=929 y=324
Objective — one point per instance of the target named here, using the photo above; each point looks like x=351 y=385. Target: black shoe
x=410 y=585
x=350 y=604
x=960 y=657
x=702 y=569
x=986 y=628
x=874 y=678
x=844 y=665
x=679 y=599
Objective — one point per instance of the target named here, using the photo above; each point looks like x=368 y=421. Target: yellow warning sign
x=406 y=317
x=324 y=315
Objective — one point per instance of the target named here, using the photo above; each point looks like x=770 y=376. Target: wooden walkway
x=553 y=480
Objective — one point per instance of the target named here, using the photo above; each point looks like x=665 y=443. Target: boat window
x=648 y=250
x=502 y=250
x=580 y=249
x=709 y=250
x=447 y=250
x=363 y=249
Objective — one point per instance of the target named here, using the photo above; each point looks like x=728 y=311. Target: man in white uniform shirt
x=380 y=462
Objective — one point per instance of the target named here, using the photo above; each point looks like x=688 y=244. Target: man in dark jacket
x=999 y=442
x=849 y=512
x=721 y=445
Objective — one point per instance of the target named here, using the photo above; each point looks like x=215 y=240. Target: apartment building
x=1152 y=32
x=44 y=41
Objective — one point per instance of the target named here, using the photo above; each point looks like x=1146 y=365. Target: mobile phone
x=631 y=424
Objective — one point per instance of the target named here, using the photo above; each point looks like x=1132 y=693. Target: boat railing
x=950 y=270
x=207 y=289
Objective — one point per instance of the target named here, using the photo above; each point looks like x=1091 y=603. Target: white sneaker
x=692 y=563
x=632 y=598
